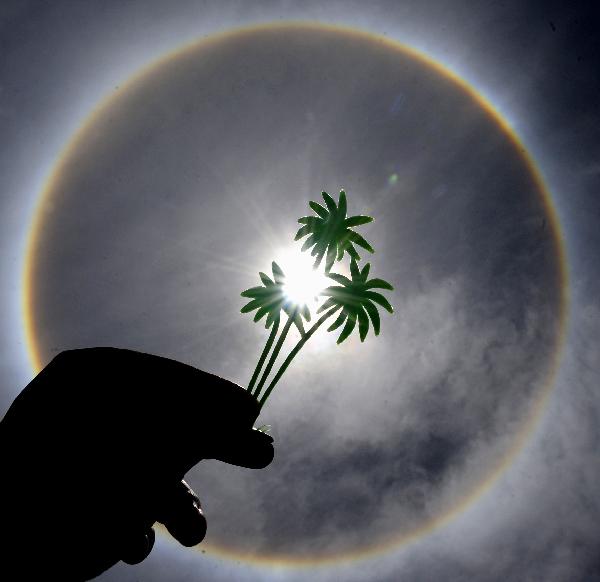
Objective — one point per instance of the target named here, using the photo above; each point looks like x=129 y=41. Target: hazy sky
x=187 y=164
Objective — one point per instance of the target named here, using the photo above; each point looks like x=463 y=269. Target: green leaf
x=361 y=242
x=271 y=318
x=354 y=270
x=348 y=328
x=331 y=252
x=312 y=220
x=299 y=324
x=357 y=220
x=320 y=253
x=340 y=319
x=378 y=284
x=330 y=202
x=309 y=242
x=374 y=315
x=343 y=245
x=331 y=302
x=332 y=291
x=319 y=248
x=253 y=292
x=342 y=204
x=306 y=312
x=277 y=273
x=344 y=240
x=352 y=252
x=363 y=323
x=265 y=279
x=341 y=279
x=365 y=272
x=254 y=304
x=378 y=298
x=261 y=313
x=320 y=210
x=303 y=231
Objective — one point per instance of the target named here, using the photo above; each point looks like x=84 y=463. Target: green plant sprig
x=270 y=299
x=331 y=235
x=357 y=300
x=330 y=231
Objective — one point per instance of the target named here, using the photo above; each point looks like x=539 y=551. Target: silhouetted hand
x=94 y=451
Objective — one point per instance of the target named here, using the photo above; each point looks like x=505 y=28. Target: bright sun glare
x=302 y=283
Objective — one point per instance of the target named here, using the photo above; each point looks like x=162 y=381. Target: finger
x=181 y=514
x=251 y=448
x=138 y=547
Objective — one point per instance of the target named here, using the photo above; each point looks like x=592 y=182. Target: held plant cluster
x=331 y=235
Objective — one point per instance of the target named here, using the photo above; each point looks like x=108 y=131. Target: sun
x=303 y=284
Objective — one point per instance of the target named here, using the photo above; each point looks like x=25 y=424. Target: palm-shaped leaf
x=357 y=301
x=270 y=298
x=330 y=233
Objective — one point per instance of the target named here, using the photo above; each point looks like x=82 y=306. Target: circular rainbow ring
x=28 y=283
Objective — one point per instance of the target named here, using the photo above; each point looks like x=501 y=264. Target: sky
x=206 y=153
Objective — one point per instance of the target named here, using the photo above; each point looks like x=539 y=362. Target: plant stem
x=264 y=354
x=275 y=353
x=296 y=349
